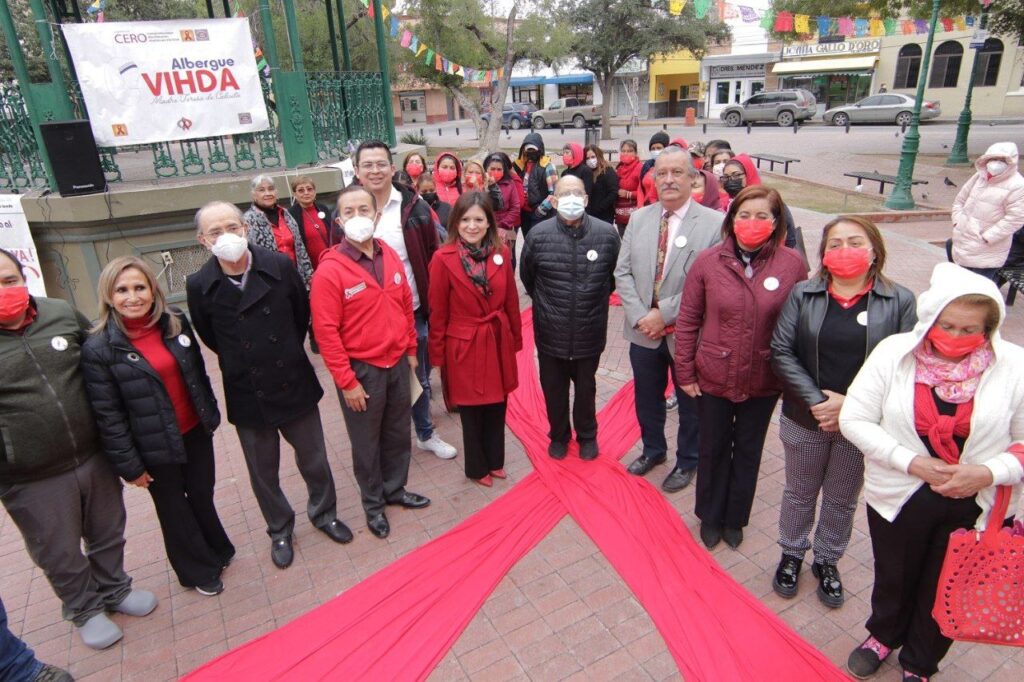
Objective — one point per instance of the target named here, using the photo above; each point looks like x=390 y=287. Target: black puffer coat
x=136 y=420
x=569 y=274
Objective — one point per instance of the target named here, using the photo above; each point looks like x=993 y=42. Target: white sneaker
x=438 y=447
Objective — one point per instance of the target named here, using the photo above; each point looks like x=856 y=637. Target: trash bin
x=691 y=116
x=592 y=136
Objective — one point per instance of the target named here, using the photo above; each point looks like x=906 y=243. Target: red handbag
x=980 y=596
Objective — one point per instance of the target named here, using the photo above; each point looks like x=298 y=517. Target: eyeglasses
x=734 y=176
x=217 y=232
x=380 y=165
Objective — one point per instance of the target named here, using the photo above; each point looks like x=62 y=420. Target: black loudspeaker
x=73 y=157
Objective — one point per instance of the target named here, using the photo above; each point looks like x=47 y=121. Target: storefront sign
x=832 y=49
x=16 y=238
x=151 y=81
x=736 y=70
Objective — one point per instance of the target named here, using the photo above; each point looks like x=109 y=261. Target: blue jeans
x=17 y=662
x=651 y=368
x=421 y=410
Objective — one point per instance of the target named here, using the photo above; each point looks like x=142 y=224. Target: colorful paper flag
x=921 y=25
x=748 y=14
x=846 y=27
x=406 y=39
x=394 y=27
x=784 y=22
x=907 y=26
x=421 y=50
x=414 y=47
x=675 y=7
x=701 y=8
x=860 y=27
x=947 y=25
x=430 y=57
x=824 y=23
x=961 y=25
x=876 y=27
x=801 y=24
x=890 y=26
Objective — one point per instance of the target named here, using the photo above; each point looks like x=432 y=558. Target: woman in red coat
x=732 y=298
x=475 y=331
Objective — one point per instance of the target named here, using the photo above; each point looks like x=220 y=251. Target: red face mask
x=848 y=262
x=13 y=304
x=474 y=180
x=496 y=175
x=567 y=159
x=446 y=175
x=753 y=232
x=697 y=196
x=414 y=169
x=954 y=346
x=627 y=157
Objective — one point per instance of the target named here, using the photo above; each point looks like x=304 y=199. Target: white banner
x=15 y=237
x=151 y=81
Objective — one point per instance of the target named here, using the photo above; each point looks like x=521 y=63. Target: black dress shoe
x=411 y=501
x=641 y=465
x=378 y=525
x=281 y=552
x=337 y=531
x=588 y=450
x=678 y=480
x=732 y=536
x=786 y=576
x=830 y=586
x=558 y=450
x=710 y=535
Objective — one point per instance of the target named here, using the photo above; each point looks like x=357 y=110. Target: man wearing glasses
x=659 y=246
x=406 y=224
x=567 y=267
x=249 y=306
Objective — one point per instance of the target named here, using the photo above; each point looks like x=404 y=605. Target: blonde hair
x=981 y=301
x=105 y=293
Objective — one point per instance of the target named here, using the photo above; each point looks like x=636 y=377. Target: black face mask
x=533 y=155
x=732 y=186
x=430 y=197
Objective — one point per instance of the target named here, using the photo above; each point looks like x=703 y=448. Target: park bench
x=881 y=179
x=774 y=159
x=1014 y=278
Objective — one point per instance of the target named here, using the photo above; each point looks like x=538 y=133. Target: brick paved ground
x=562 y=612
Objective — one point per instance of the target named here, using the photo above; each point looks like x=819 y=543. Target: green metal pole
x=901 y=198
x=331 y=34
x=268 y=37
x=958 y=154
x=293 y=36
x=46 y=43
x=385 y=78
x=21 y=74
x=346 y=58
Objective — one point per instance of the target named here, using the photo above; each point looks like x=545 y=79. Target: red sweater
x=354 y=318
x=151 y=346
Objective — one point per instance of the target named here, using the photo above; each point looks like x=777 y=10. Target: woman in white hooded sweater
x=935 y=412
x=987 y=211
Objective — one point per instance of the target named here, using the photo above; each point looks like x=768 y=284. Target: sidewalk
x=560 y=613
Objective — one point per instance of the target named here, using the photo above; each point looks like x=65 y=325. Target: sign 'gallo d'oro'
x=142 y=80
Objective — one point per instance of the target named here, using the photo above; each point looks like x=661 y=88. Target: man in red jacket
x=362 y=318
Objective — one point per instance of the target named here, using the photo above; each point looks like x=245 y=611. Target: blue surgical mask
x=570 y=207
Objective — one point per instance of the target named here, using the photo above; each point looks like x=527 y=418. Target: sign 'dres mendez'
x=150 y=81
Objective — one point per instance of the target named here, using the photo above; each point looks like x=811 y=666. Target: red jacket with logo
x=354 y=318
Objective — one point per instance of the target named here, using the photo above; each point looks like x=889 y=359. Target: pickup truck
x=567 y=110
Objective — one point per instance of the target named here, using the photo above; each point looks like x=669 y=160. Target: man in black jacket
x=567 y=268
x=249 y=306
x=54 y=484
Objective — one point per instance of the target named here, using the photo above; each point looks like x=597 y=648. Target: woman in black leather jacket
x=826 y=330
x=156 y=414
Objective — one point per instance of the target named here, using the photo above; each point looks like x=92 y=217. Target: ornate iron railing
x=346 y=108
x=21 y=165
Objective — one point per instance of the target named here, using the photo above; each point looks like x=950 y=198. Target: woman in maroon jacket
x=475 y=331
x=731 y=300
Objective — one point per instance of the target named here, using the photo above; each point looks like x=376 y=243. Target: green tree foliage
x=609 y=33
x=1006 y=16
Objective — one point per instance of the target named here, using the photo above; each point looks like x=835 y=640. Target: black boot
x=830 y=587
x=786 y=576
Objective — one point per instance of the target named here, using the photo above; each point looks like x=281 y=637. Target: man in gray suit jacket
x=659 y=246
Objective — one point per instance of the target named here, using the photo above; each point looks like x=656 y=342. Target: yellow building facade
x=674 y=81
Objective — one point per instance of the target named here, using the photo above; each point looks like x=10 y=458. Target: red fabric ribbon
x=400 y=622
x=939 y=428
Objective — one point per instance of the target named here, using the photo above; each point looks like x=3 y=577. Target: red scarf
x=847 y=303
x=629 y=175
x=940 y=428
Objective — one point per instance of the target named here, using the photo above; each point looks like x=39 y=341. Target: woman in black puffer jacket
x=156 y=414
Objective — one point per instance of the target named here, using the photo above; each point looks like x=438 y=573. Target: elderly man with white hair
x=274 y=229
x=249 y=305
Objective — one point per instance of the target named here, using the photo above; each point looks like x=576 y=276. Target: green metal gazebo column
x=901 y=198
x=52 y=99
x=290 y=95
x=21 y=74
x=346 y=58
x=958 y=154
x=385 y=78
x=331 y=35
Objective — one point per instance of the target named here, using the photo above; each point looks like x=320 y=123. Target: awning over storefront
x=835 y=65
x=571 y=79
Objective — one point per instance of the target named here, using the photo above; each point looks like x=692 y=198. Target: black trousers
x=194 y=538
x=483 y=438
x=651 y=370
x=909 y=553
x=555 y=375
x=730 y=444
x=380 y=435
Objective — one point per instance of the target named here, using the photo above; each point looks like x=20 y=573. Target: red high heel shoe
x=499 y=473
x=486 y=481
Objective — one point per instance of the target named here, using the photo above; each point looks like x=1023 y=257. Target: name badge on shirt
x=862 y=318
x=321 y=215
x=498 y=260
x=184 y=341
x=352 y=291
x=398 y=278
x=592 y=255
x=59 y=343
x=680 y=241
x=771 y=284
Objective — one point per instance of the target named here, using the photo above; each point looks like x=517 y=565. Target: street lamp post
x=901 y=198
x=958 y=154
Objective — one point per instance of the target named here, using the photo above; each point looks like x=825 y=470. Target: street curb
x=887 y=215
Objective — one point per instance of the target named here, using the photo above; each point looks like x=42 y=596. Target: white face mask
x=359 y=228
x=570 y=206
x=592 y=163
x=655 y=153
x=995 y=167
x=718 y=168
x=230 y=247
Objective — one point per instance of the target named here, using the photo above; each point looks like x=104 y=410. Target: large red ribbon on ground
x=400 y=622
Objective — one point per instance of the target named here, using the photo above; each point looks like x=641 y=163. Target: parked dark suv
x=783 y=107
x=515 y=115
